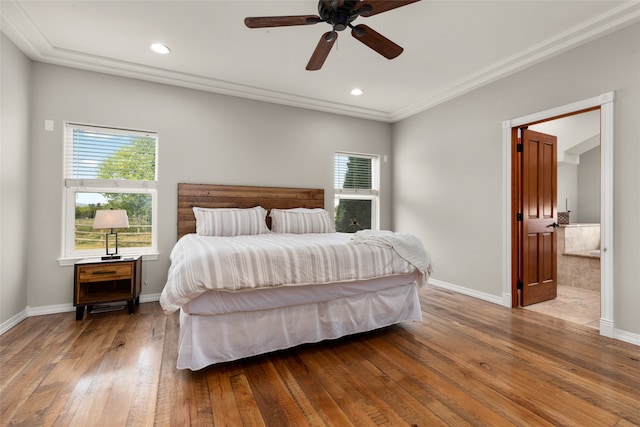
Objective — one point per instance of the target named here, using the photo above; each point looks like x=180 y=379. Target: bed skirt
x=205 y=340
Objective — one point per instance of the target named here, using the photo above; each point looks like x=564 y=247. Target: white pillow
x=230 y=221
x=301 y=221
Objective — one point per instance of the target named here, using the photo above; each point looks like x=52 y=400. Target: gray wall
x=203 y=138
x=568 y=189
x=15 y=79
x=448 y=166
x=589 y=187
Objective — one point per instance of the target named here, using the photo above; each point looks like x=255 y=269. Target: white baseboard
x=606 y=328
x=10 y=323
x=54 y=309
x=49 y=309
x=469 y=292
x=149 y=297
x=625 y=336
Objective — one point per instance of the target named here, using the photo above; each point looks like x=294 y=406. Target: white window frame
x=70 y=255
x=372 y=194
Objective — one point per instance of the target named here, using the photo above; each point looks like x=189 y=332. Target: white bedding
x=202 y=263
x=206 y=340
x=222 y=302
x=299 y=288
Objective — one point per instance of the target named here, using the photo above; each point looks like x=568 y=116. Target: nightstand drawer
x=99 y=273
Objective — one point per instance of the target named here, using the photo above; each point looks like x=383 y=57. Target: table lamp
x=111 y=218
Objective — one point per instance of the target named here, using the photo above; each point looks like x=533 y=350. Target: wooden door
x=538 y=219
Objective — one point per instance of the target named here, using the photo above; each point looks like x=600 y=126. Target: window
x=356 y=182
x=108 y=168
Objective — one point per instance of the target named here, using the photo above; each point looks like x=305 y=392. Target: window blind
x=94 y=152
x=352 y=172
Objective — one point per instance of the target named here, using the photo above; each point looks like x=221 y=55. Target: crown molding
x=17 y=25
x=624 y=15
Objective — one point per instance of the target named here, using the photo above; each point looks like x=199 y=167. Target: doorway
x=578 y=204
x=605 y=104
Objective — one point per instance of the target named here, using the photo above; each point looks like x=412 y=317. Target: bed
x=286 y=279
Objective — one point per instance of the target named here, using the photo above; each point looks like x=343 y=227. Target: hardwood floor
x=468 y=363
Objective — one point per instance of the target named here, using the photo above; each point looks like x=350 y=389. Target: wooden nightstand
x=98 y=281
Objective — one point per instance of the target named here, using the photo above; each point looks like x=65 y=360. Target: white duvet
x=202 y=263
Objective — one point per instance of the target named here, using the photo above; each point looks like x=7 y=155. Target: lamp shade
x=111 y=218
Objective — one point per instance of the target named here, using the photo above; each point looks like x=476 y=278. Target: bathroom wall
x=568 y=189
x=588 y=180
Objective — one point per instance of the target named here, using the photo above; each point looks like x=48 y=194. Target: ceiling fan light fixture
x=160 y=48
x=356 y=91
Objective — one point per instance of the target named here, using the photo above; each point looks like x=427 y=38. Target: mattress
x=221 y=302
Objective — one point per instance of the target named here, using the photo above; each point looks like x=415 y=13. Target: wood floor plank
x=143 y=401
x=29 y=366
x=364 y=390
x=110 y=385
x=311 y=413
x=405 y=404
x=331 y=377
x=418 y=373
x=200 y=411
x=551 y=359
x=468 y=362
x=27 y=348
x=435 y=373
x=531 y=386
x=223 y=404
x=173 y=383
x=248 y=403
x=318 y=398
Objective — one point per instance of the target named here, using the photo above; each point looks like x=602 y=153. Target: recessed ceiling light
x=357 y=92
x=160 y=48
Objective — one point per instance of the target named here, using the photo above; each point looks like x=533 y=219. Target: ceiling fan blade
x=281 y=21
x=322 y=50
x=376 y=41
x=373 y=7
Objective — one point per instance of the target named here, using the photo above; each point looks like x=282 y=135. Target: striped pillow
x=300 y=221
x=230 y=221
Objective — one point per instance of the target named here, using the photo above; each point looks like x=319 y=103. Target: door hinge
x=519 y=285
x=519 y=217
x=519 y=148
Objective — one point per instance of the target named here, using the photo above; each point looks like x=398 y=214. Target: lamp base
x=105 y=257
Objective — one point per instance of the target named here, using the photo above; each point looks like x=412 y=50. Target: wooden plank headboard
x=235 y=196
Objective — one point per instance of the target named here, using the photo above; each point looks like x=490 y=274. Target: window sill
x=67 y=261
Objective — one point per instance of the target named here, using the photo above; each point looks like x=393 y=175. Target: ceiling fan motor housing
x=338 y=16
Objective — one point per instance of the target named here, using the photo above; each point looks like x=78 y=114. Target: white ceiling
x=451 y=47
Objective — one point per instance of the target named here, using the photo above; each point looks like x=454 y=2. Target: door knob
x=554 y=225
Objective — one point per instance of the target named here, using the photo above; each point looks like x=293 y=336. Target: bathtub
x=578 y=255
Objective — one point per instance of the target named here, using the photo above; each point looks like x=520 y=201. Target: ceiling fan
x=339 y=14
